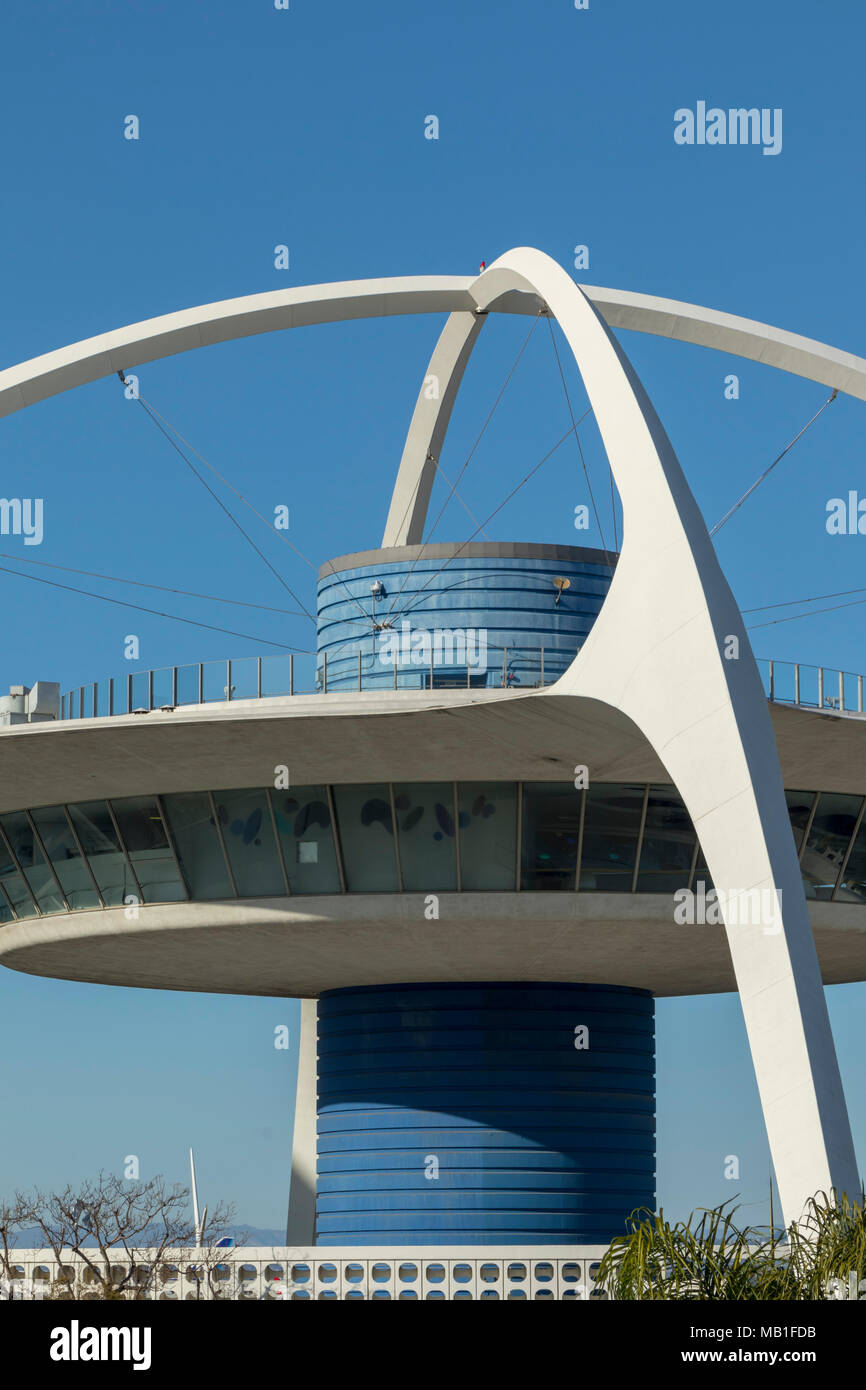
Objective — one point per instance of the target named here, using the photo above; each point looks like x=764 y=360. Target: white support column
x=427 y=431
x=659 y=653
x=301 y=1225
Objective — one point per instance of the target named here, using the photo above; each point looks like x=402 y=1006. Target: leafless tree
x=14 y=1216
x=147 y=1223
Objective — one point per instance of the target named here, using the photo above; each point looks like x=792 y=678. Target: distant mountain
x=259 y=1235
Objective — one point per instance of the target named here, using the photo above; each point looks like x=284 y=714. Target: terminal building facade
x=461 y=848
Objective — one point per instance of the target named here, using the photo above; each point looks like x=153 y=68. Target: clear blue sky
x=306 y=128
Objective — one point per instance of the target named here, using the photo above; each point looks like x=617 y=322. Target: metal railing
x=812 y=687
x=512 y=668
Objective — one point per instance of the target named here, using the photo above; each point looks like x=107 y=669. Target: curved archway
x=658 y=652
x=150 y=340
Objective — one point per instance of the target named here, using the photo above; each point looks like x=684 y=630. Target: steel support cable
x=435 y=462
x=495 y=512
x=736 y=507
x=280 y=534
x=793 y=602
x=468 y=460
x=813 y=613
x=580 y=449
x=162 y=588
x=453 y=486
x=233 y=519
x=121 y=603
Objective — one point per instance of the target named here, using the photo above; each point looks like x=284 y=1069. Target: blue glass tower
x=490 y=1114
x=478 y=614
x=482 y=1113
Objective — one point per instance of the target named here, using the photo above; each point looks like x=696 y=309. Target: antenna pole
x=195 y=1218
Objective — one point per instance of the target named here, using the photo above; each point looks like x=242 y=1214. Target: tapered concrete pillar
x=301 y=1225
x=670 y=650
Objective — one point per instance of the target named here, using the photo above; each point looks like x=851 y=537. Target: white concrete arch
x=642 y=313
x=152 y=339
x=656 y=653
x=221 y=322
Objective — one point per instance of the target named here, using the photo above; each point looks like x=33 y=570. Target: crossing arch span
x=659 y=651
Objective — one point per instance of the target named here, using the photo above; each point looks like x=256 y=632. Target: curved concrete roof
x=498 y=735
x=300 y=946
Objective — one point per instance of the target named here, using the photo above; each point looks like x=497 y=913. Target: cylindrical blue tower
x=475 y=1113
x=477 y=614
x=490 y=1114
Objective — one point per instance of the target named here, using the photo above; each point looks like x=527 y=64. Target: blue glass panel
x=276 y=675
x=187 y=685
x=108 y=863
x=198 y=848
x=215 y=679
x=799 y=809
x=610 y=834
x=488 y=836
x=250 y=844
x=14 y=885
x=36 y=868
x=852 y=889
x=668 y=844
x=828 y=842
x=162 y=687
x=306 y=837
x=143 y=834
x=244 y=673
x=367 y=838
x=140 y=690
x=551 y=823
x=426 y=835
x=66 y=858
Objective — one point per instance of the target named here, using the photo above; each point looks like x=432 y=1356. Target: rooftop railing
x=517 y=668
